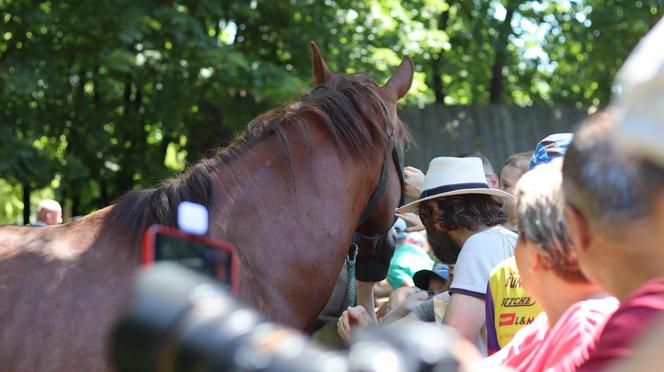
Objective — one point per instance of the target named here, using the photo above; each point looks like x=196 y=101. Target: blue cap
x=400 y=226
x=423 y=277
x=551 y=147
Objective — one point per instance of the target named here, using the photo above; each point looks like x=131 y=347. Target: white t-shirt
x=479 y=255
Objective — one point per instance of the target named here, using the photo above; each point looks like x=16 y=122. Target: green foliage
x=111 y=96
x=589 y=41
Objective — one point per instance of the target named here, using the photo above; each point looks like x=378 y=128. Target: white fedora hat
x=453 y=176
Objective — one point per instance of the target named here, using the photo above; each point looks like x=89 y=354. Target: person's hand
x=352 y=317
x=412 y=219
x=414 y=299
x=413 y=179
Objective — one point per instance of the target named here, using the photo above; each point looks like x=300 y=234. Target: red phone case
x=148 y=248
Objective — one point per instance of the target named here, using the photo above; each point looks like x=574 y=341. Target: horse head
x=373 y=243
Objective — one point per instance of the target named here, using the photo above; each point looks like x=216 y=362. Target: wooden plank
x=497 y=130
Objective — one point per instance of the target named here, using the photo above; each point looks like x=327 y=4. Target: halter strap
x=382 y=182
x=394 y=151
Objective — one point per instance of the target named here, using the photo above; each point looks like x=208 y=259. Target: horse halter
x=395 y=150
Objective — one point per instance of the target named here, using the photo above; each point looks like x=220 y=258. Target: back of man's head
x=50 y=212
x=519 y=160
x=600 y=182
x=540 y=216
x=464 y=212
x=515 y=166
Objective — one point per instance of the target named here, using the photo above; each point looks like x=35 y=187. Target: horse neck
x=292 y=233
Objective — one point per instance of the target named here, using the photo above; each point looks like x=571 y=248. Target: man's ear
x=494 y=181
x=658 y=210
x=536 y=262
x=579 y=229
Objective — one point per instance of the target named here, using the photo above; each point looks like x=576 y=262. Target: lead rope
x=350 y=269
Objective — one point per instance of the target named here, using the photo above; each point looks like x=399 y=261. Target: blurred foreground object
x=182 y=321
x=641 y=100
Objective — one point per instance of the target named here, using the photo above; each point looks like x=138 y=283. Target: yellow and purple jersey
x=508 y=306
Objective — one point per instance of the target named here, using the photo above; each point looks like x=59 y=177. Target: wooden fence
x=496 y=130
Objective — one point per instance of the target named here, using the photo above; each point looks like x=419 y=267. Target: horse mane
x=347 y=105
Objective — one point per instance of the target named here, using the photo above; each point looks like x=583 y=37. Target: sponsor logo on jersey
x=517 y=301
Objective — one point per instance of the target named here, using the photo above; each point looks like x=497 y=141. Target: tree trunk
x=104 y=198
x=124 y=178
x=26 y=203
x=62 y=197
x=497 y=79
x=436 y=64
x=437 y=80
x=75 y=204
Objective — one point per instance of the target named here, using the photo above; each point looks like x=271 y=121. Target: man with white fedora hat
x=462 y=217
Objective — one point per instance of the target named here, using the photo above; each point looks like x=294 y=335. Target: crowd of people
x=556 y=264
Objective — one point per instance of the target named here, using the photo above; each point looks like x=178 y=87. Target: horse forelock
x=348 y=106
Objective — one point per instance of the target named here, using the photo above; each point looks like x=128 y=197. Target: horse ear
x=322 y=73
x=401 y=80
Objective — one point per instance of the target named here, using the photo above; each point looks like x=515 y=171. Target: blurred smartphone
x=214 y=258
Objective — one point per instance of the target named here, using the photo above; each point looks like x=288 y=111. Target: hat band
x=453 y=187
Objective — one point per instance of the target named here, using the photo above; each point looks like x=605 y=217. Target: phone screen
x=195 y=255
x=213 y=258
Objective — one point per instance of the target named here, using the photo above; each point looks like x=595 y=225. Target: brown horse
x=289 y=194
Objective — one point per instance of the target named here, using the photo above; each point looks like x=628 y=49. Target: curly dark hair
x=468 y=211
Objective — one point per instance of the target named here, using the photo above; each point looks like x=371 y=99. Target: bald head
x=49 y=212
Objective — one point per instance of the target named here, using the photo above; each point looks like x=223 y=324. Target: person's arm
x=382 y=289
x=407 y=281
x=404 y=308
x=466 y=310
x=466 y=315
x=353 y=317
x=408 y=318
x=358 y=316
x=395 y=314
x=491 y=333
x=365 y=298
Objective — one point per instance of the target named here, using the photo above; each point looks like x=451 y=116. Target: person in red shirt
x=573 y=307
x=639 y=132
x=614 y=236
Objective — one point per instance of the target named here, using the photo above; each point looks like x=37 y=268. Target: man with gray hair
x=49 y=213
x=640 y=132
x=614 y=237
x=560 y=337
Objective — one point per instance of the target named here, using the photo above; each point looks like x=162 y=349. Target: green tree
x=97 y=98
